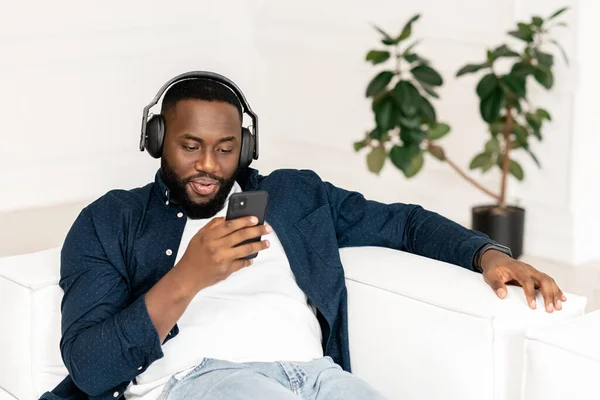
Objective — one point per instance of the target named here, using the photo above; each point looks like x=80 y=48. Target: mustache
x=204 y=175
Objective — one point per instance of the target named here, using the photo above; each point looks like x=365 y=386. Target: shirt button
x=116 y=394
x=179 y=214
x=167 y=202
x=140 y=368
x=169 y=252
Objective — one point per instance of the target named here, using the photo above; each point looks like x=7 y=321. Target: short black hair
x=200 y=89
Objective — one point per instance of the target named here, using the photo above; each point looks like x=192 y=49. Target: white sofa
x=452 y=337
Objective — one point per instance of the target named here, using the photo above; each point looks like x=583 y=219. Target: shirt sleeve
x=406 y=227
x=108 y=337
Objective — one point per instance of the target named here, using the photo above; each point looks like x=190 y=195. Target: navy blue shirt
x=126 y=241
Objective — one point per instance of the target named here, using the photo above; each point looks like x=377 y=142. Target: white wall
x=75 y=76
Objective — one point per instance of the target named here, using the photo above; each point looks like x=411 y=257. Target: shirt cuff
x=139 y=332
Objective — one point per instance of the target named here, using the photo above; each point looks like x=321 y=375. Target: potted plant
x=407 y=126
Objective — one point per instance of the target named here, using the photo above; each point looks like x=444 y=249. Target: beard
x=178 y=187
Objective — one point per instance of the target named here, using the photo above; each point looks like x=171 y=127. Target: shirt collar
x=247 y=178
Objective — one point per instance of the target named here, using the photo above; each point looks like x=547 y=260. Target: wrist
x=490 y=254
x=187 y=285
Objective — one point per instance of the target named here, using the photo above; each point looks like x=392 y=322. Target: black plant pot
x=503 y=225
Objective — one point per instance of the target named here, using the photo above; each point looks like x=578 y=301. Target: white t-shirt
x=257 y=314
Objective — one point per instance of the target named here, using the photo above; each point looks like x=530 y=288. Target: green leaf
x=515 y=84
x=411 y=57
x=410 y=123
x=401 y=157
x=562 y=50
x=533 y=156
x=557 y=13
x=521 y=70
x=516 y=170
x=416 y=164
x=504 y=51
x=430 y=91
x=376 y=159
x=524 y=33
x=543 y=114
x=412 y=136
x=544 y=58
x=490 y=106
x=471 y=68
x=487 y=85
x=376 y=134
x=387 y=39
x=427 y=75
x=407 y=96
x=427 y=111
x=535 y=122
x=481 y=160
x=361 y=144
x=385 y=115
x=537 y=21
x=407 y=30
x=438 y=131
x=492 y=146
x=525 y=29
x=520 y=133
x=497 y=127
x=379 y=83
x=377 y=56
x=544 y=76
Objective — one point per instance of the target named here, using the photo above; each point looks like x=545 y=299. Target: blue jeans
x=320 y=379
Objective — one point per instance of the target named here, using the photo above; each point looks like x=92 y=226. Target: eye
x=189 y=148
x=224 y=151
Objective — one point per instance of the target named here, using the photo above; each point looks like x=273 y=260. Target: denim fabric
x=320 y=379
x=126 y=241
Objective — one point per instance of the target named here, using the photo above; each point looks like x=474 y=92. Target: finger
x=559 y=296
x=228 y=227
x=529 y=289
x=499 y=287
x=547 y=288
x=248 y=249
x=239 y=264
x=244 y=234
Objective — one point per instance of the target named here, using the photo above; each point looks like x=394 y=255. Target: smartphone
x=247 y=204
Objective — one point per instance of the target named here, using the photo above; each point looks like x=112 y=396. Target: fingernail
x=269 y=229
x=267 y=243
x=254 y=220
x=558 y=304
x=532 y=303
x=550 y=307
x=501 y=292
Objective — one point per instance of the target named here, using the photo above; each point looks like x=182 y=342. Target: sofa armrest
x=424 y=329
x=30 y=306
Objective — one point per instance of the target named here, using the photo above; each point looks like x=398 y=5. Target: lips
x=204 y=186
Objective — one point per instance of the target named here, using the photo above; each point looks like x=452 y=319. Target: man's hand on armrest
x=500 y=269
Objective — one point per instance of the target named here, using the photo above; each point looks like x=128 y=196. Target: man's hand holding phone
x=215 y=252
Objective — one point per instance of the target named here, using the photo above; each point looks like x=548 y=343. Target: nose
x=206 y=162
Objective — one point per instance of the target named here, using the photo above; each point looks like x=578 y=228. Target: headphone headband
x=203 y=75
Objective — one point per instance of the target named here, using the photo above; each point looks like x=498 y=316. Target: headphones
x=153 y=129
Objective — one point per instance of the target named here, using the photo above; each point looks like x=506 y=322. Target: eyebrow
x=200 y=140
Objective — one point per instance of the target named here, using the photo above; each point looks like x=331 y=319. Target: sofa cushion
x=563 y=361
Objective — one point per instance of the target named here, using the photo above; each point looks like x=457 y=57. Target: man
x=159 y=301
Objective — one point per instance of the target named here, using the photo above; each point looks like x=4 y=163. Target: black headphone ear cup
x=155 y=134
x=247 y=150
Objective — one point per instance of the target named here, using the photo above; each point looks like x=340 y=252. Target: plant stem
x=506 y=158
x=462 y=173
